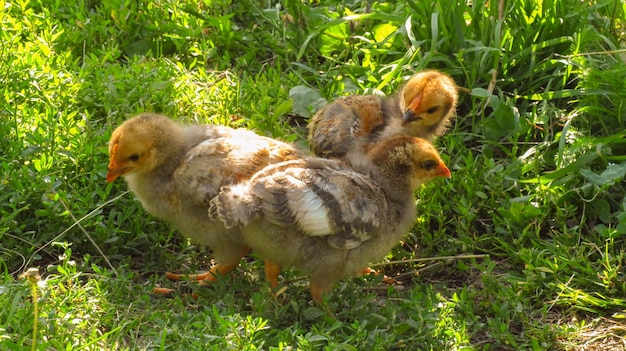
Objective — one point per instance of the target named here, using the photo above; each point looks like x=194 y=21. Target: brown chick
x=176 y=169
x=347 y=127
x=327 y=218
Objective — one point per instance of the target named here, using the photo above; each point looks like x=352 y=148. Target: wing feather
x=341 y=204
x=231 y=157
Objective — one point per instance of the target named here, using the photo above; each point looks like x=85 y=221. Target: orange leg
x=207 y=277
x=204 y=278
x=178 y=277
x=166 y=292
x=386 y=279
x=163 y=291
x=217 y=270
x=317 y=291
x=211 y=275
x=272 y=270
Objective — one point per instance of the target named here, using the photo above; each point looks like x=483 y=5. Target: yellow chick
x=347 y=127
x=176 y=169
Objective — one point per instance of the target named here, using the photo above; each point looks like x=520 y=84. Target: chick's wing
x=337 y=203
x=203 y=170
x=330 y=128
x=333 y=129
x=230 y=158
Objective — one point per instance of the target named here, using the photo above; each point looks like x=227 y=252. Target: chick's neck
x=393 y=175
x=170 y=150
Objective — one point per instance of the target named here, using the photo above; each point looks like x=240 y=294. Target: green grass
x=537 y=152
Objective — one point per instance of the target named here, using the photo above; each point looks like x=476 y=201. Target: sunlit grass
x=537 y=153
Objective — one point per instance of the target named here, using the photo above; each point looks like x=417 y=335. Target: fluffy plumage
x=176 y=169
x=326 y=218
x=347 y=127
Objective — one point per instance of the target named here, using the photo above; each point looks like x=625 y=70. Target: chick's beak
x=443 y=171
x=409 y=114
x=113 y=171
x=112 y=174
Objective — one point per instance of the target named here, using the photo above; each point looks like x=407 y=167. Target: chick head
x=134 y=145
x=427 y=99
x=409 y=158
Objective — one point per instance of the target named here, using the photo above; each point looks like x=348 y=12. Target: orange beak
x=443 y=171
x=113 y=172
x=409 y=114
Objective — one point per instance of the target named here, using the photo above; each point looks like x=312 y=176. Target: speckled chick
x=347 y=127
x=326 y=218
x=176 y=169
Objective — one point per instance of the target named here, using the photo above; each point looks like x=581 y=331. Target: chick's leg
x=206 y=277
x=319 y=288
x=203 y=279
x=386 y=279
x=272 y=270
x=212 y=274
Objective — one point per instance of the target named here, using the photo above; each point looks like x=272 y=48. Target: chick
x=347 y=127
x=176 y=169
x=326 y=218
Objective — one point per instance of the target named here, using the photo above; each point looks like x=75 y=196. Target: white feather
x=308 y=209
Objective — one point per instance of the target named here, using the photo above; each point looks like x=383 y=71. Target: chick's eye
x=134 y=157
x=429 y=165
x=432 y=110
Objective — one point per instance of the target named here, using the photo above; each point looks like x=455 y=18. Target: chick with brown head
x=325 y=217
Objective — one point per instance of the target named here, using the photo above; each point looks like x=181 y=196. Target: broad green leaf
x=480 y=92
x=592 y=177
x=382 y=31
x=603 y=209
x=305 y=100
x=614 y=173
x=162 y=85
x=312 y=313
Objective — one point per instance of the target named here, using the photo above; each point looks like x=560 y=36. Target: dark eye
x=134 y=157
x=432 y=110
x=429 y=165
